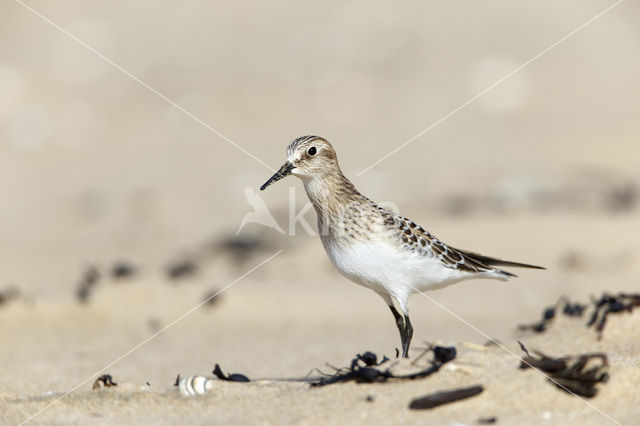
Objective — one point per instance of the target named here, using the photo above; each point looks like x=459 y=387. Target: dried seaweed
x=444 y=397
x=8 y=294
x=181 y=269
x=578 y=374
x=600 y=310
x=88 y=281
x=240 y=248
x=571 y=309
x=235 y=377
x=365 y=368
x=123 y=269
x=611 y=304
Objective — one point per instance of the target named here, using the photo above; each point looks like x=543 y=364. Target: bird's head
x=307 y=157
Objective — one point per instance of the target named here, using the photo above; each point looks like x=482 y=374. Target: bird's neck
x=331 y=194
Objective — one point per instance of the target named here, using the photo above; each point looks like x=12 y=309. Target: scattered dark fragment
x=177 y=380
x=359 y=375
x=444 y=353
x=609 y=304
x=370 y=398
x=122 y=269
x=574 y=309
x=538 y=327
x=524 y=348
x=91 y=274
x=235 y=377
x=105 y=381
x=549 y=313
x=83 y=294
x=211 y=298
x=487 y=420
x=89 y=279
x=570 y=309
x=576 y=374
x=9 y=294
x=241 y=248
x=445 y=397
x=370 y=374
x=623 y=197
x=365 y=369
x=369 y=359
x=492 y=342
x=148 y=384
x=181 y=269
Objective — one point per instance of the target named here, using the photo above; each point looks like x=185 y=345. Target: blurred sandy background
x=95 y=168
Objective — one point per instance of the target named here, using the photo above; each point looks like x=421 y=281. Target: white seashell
x=195 y=385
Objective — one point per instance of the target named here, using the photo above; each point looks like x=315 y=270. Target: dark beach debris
x=444 y=397
x=624 y=197
x=365 y=368
x=370 y=398
x=104 y=381
x=578 y=374
x=368 y=358
x=235 y=377
x=8 y=294
x=184 y=268
x=444 y=354
x=600 y=309
x=123 y=269
x=240 y=247
x=571 y=309
x=492 y=342
x=611 y=304
x=211 y=298
x=524 y=348
x=487 y=420
x=88 y=281
x=441 y=354
x=91 y=276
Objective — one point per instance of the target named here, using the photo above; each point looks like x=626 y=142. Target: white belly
x=388 y=269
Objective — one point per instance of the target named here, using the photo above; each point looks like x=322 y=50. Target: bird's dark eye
x=312 y=150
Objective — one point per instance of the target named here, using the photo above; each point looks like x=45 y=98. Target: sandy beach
x=97 y=171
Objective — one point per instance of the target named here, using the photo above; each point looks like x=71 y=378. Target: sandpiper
x=373 y=246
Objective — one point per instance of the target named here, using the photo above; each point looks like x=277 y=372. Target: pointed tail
x=492 y=261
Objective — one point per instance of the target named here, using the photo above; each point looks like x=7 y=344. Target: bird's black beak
x=284 y=171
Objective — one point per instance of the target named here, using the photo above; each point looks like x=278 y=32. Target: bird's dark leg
x=399 y=322
x=406 y=335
